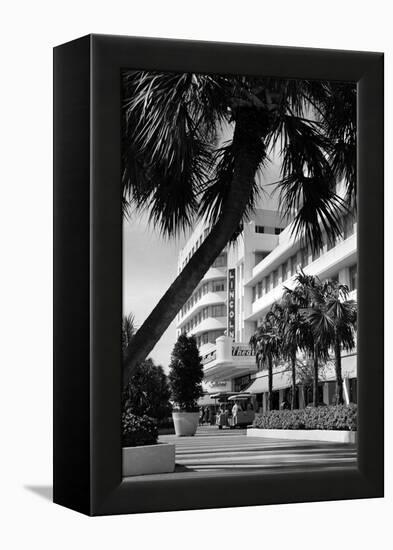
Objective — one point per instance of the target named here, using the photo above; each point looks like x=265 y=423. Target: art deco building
x=239 y=289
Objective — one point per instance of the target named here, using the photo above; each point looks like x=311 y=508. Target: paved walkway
x=213 y=450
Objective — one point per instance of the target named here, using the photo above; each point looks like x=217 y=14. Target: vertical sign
x=231 y=302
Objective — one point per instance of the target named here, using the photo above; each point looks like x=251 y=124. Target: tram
x=235 y=410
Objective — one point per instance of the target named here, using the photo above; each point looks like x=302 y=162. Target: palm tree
x=296 y=334
x=127 y=330
x=308 y=297
x=267 y=343
x=176 y=168
x=341 y=316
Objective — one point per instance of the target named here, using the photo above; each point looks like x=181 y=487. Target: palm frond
x=215 y=191
x=170 y=123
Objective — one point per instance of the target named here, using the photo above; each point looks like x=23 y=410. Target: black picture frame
x=88 y=276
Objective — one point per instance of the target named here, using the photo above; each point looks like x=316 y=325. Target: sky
x=149 y=268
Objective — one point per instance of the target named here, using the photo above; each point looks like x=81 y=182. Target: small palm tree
x=176 y=168
x=127 y=330
x=267 y=343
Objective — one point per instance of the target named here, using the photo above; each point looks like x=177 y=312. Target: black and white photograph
x=196 y=305
x=239 y=274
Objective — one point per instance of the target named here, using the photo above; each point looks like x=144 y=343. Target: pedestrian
x=222 y=418
x=201 y=416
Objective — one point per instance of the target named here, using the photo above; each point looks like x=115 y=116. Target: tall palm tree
x=308 y=296
x=339 y=315
x=296 y=334
x=267 y=343
x=176 y=168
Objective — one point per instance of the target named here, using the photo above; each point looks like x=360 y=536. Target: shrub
x=338 y=417
x=186 y=373
x=147 y=392
x=138 y=430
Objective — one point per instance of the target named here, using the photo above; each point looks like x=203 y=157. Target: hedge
x=338 y=417
x=138 y=430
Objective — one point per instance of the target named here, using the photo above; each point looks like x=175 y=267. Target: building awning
x=206 y=400
x=281 y=380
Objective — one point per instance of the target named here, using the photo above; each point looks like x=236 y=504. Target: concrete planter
x=149 y=459
x=186 y=423
x=338 y=436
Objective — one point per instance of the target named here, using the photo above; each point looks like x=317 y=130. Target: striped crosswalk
x=232 y=450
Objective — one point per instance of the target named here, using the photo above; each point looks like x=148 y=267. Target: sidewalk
x=213 y=450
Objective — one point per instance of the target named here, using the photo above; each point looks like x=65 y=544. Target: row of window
x=348 y=230
x=300 y=260
x=209 y=337
x=353 y=277
x=219 y=310
x=194 y=248
x=210 y=286
x=268 y=230
x=220 y=261
x=271 y=281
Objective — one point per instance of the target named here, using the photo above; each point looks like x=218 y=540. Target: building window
x=218 y=286
x=220 y=261
x=259 y=256
x=259 y=229
x=275 y=278
x=284 y=271
x=353 y=390
x=277 y=230
x=331 y=243
x=254 y=293
x=316 y=253
x=204 y=338
x=241 y=382
x=213 y=335
x=353 y=277
x=218 y=311
x=205 y=313
x=304 y=256
x=293 y=264
x=348 y=226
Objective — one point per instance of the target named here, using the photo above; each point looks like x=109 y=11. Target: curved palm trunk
x=293 y=369
x=247 y=146
x=270 y=383
x=339 y=378
x=315 y=382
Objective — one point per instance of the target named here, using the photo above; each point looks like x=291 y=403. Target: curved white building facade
x=241 y=286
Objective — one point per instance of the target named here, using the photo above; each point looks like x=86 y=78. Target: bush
x=138 y=430
x=186 y=373
x=147 y=392
x=339 y=417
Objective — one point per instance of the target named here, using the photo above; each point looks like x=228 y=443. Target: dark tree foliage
x=147 y=392
x=138 y=430
x=186 y=373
